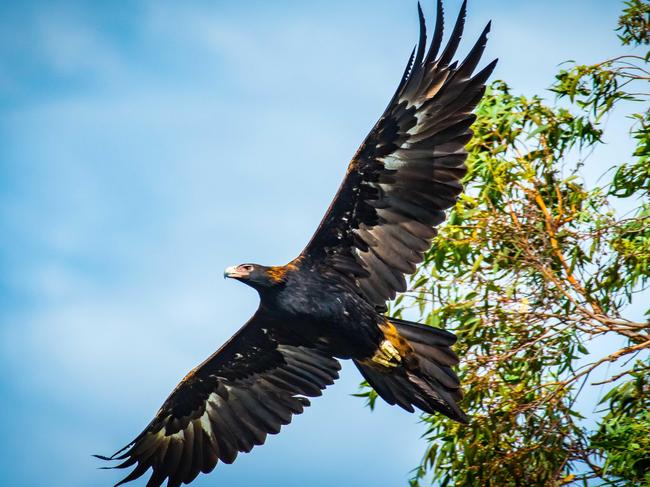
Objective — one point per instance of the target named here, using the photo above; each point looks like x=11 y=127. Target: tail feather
x=424 y=378
x=393 y=391
x=444 y=356
x=427 y=335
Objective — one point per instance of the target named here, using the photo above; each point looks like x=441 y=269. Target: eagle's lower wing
x=247 y=389
x=406 y=172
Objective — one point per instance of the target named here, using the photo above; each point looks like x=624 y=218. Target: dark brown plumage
x=327 y=304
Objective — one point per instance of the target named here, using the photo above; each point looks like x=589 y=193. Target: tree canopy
x=533 y=267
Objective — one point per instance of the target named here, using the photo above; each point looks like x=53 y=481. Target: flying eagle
x=329 y=302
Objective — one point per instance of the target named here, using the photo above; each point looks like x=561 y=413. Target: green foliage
x=531 y=266
x=624 y=434
x=634 y=24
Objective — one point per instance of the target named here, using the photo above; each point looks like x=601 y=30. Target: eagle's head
x=255 y=275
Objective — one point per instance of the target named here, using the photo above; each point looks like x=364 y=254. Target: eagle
x=329 y=303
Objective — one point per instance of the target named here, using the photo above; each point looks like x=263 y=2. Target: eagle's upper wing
x=406 y=172
x=248 y=388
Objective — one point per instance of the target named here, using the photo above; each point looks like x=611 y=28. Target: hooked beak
x=232 y=273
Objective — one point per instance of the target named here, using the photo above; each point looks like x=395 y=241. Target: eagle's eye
x=246 y=267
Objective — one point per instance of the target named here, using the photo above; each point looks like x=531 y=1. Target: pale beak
x=232 y=272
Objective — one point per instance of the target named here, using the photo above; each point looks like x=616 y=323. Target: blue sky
x=145 y=146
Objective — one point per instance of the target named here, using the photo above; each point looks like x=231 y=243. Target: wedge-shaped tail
x=423 y=376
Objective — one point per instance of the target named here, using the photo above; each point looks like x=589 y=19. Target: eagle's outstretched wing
x=249 y=388
x=406 y=172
